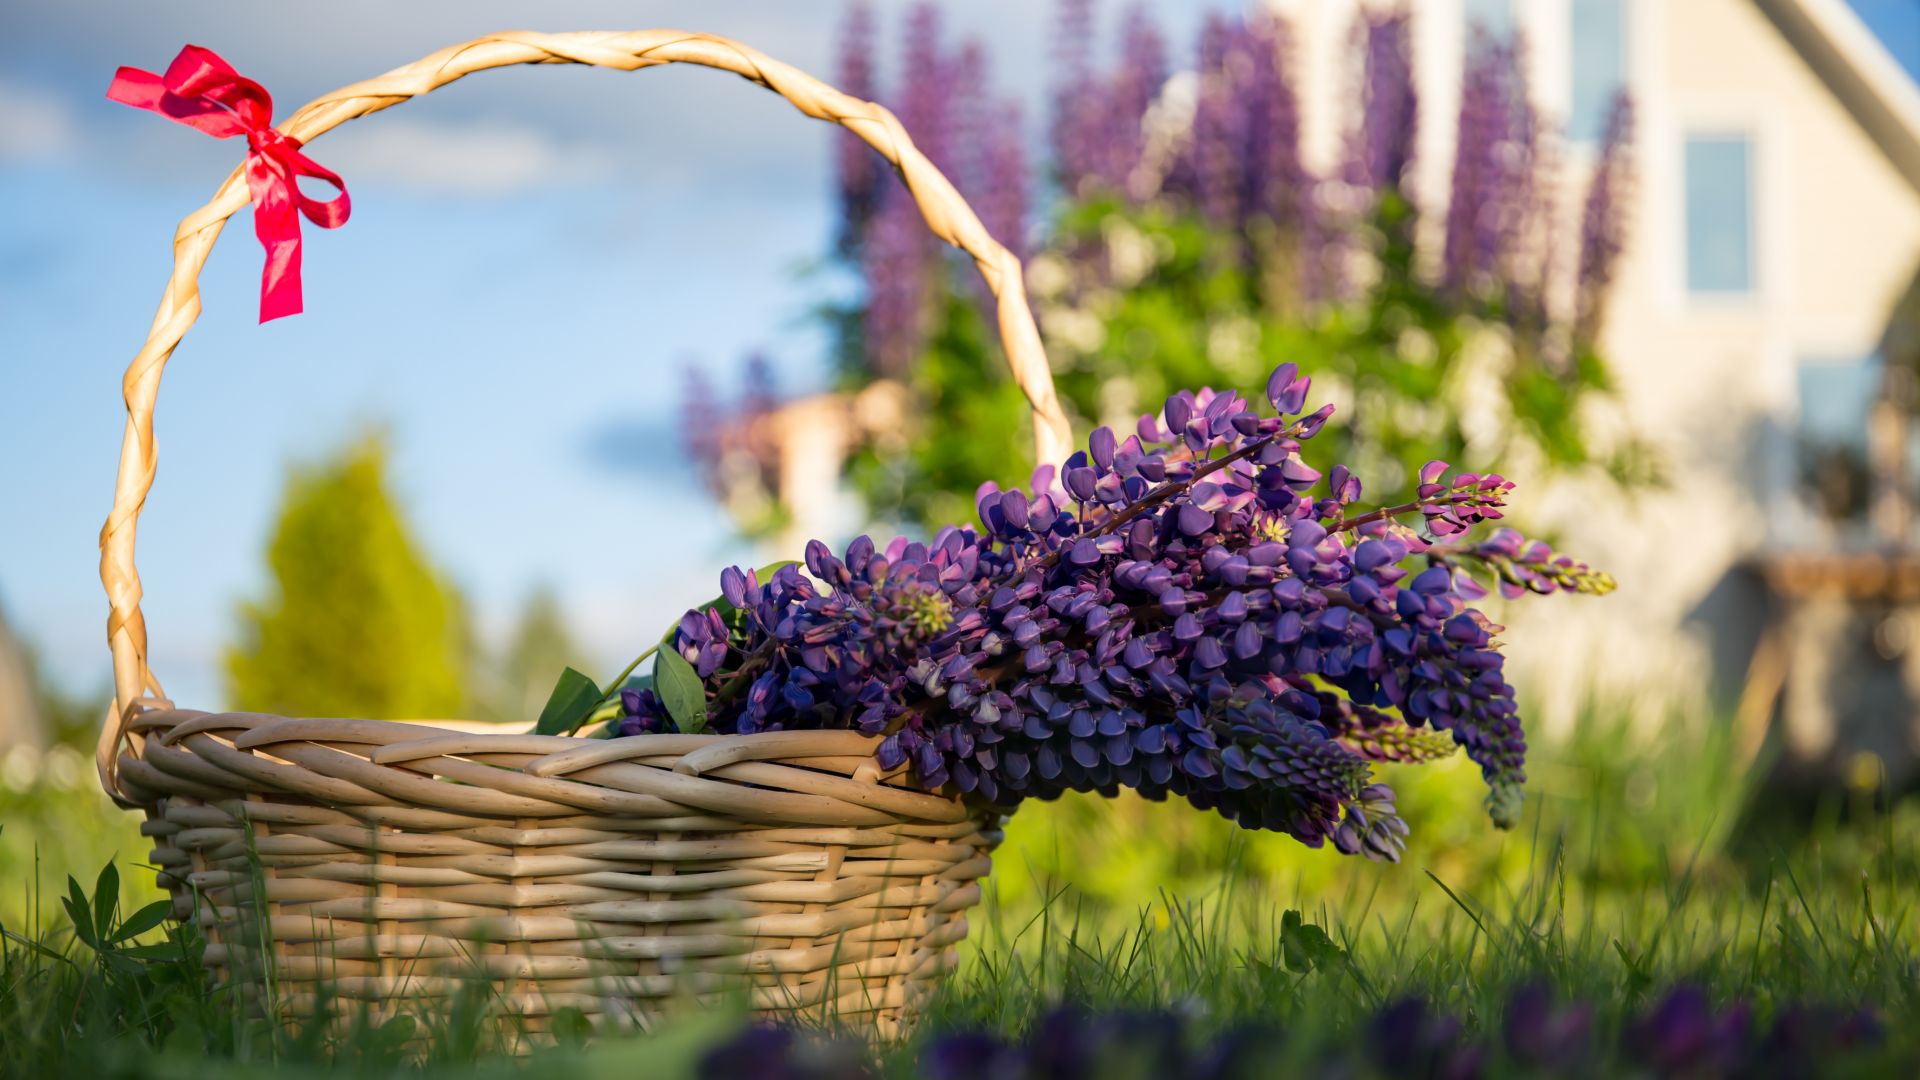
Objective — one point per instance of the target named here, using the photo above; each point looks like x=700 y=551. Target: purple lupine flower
x=1543 y=1035
x=1076 y=98
x=968 y=112
x=1531 y=267
x=1243 y=156
x=927 y=86
x=1471 y=233
x=1603 y=223
x=759 y=389
x=1524 y=209
x=899 y=257
x=896 y=263
x=701 y=421
x=990 y=160
x=1686 y=1035
x=1276 y=184
x=1493 y=189
x=1411 y=1038
x=860 y=171
x=1002 y=197
x=1212 y=154
x=1166 y=613
x=1323 y=249
x=1383 y=147
x=1128 y=94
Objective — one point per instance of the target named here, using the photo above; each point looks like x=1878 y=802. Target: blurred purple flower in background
x=701 y=419
x=1603 y=223
x=1099 y=118
x=1127 y=97
x=926 y=85
x=1492 y=190
x=893 y=263
x=1074 y=142
x=1333 y=254
x=1242 y=162
x=1002 y=195
x=859 y=171
x=1383 y=146
x=1210 y=165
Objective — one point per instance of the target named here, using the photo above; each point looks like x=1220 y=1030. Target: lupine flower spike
x=1190 y=610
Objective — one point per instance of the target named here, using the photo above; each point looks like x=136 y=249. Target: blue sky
x=533 y=256
x=1897 y=23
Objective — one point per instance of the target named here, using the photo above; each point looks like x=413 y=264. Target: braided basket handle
x=946 y=213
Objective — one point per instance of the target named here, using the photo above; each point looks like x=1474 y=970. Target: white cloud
x=34 y=126
x=472 y=159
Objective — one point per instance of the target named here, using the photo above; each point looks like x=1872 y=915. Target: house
x=1776 y=225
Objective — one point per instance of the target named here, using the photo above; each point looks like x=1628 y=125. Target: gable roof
x=1859 y=70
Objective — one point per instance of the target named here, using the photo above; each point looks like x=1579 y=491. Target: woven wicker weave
x=398 y=862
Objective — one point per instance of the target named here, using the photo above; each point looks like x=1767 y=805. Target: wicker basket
x=394 y=863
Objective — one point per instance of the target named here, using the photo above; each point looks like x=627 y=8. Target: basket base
x=360 y=911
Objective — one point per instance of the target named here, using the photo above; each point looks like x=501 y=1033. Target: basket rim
x=824 y=777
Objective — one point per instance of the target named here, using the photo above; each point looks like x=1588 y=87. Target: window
x=1719 y=206
x=1598 y=40
x=1493 y=16
x=1834 y=472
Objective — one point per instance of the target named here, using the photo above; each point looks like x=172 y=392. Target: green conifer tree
x=355 y=623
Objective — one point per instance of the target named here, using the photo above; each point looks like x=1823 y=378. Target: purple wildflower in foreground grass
x=1188 y=611
x=1681 y=1035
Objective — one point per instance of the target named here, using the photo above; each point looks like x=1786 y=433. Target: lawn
x=1643 y=919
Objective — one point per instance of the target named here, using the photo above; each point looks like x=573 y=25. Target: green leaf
x=1305 y=946
x=79 y=912
x=1637 y=977
x=35 y=946
x=391 y=1037
x=163 y=952
x=143 y=920
x=570 y=1026
x=106 y=901
x=680 y=690
x=573 y=699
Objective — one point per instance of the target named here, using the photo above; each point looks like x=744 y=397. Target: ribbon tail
x=140 y=89
x=280 y=290
x=276 y=222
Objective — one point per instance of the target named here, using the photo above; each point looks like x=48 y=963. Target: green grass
x=1641 y=864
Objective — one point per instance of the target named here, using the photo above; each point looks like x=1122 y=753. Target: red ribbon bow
x=203 y=91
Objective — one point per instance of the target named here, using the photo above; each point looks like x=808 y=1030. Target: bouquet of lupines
x=1189 y=611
